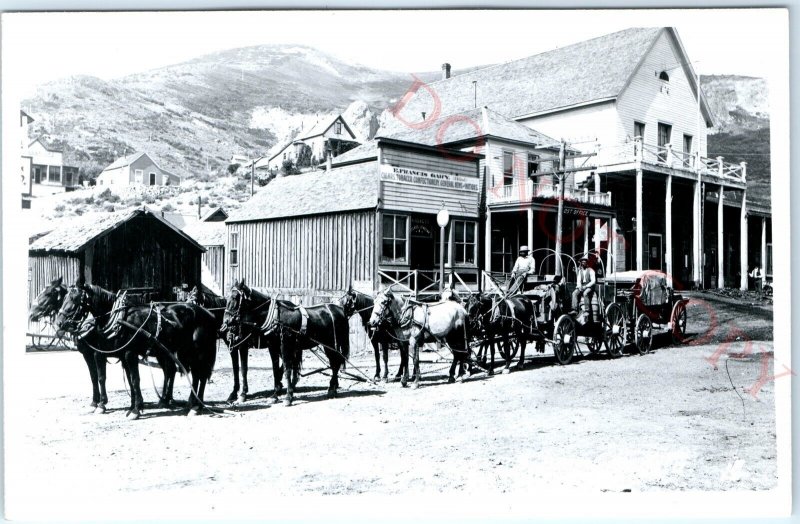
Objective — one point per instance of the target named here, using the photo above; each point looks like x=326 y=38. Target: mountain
x=742 y=134
x=198 y=113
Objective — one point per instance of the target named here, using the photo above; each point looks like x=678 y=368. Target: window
x=638 y=130
x=508 y=168
x=54 y=174
x=138 y=176
x=152 y=179
x=663 y=76
x=437 y=246
x=233 y=248
x=533 y=164
x=68 y=178
x=337 y=128
x=395 y=236
x=464 y=244
x=768 y=271
x=664 y=137
x=687 y=144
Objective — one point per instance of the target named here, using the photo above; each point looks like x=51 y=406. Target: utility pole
x=560 y=217
x=252 y=177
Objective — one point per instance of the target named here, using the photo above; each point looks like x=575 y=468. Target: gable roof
x=587 y=72
x=323 y=125
x=77 y=234
x=347 y=188
x=208 y=215
x=124 y=161
x=470 y=126
x=44 y=145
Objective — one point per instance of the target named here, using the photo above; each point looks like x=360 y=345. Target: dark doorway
x=655 y=251
x=422 y=248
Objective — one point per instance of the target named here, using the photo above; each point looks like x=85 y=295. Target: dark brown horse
x=177 y=335
x=245 y=312
x=300 y=328
x=382 y=337
x=507 y=321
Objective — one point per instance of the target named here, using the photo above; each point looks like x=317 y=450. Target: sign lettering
x=428 y=178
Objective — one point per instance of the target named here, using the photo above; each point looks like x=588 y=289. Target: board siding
x=305 y=256
x=46 y=268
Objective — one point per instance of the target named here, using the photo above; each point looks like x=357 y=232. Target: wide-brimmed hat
x=524 y=248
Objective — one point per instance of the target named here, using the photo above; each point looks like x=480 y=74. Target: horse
x=176 y=334
x=48 y=301
x=300 y=328
x=381 y=337
x=443 y=322
x=245 y=311
x=510 y=318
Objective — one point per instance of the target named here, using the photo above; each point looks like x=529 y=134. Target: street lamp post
x=442 y=218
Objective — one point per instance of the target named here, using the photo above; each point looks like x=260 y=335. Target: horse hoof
x=451 y=380
x=287 y=402
x=460 y=379
x=414 y=385
x=490 y=372
x=193 y=412
x=100 y=409
x=506 y=371
x=133 y=415
x=242 y=398
x=93 y=405
x=231 y=398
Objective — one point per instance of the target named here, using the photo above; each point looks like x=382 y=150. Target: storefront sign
x=428 y=178
x=420 y=227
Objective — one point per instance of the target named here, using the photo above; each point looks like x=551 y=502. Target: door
x=664 y=137
x=152 y=179
x=37 y=175
x=655 y=252
x=421 y=249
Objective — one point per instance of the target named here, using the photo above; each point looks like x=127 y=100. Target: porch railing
x=525 y=191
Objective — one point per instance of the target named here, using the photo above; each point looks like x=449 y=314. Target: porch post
x=720 y=240
x=530 y=228
x=743 y=247
x=696 y=245
x=639 y=220
x=668 y=232
x=487 y=241
x=611 y=265
x=763 y=250
x=597 y=220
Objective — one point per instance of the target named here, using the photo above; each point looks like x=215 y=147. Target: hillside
x=742 y=134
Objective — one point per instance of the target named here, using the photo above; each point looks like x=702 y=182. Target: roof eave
x=553 y=110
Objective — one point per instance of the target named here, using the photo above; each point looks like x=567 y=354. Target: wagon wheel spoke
x=564 y=339
x=644 y=334
x=614 y=330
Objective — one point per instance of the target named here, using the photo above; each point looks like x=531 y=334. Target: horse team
x=182 y=336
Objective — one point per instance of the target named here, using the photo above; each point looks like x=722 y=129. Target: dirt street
x=669 y=420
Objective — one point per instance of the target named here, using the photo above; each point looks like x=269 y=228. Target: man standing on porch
x=585 y=287
x=524 y=266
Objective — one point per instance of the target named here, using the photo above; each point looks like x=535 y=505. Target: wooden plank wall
x=214 y=260
x=305 y=256
x=46 y=268
x=144 y=253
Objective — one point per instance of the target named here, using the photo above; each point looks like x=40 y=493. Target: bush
x=89 y=199
x=108 y=207
x=167 y=207
x=150 y=199
x=241 y=185
x=60 y=207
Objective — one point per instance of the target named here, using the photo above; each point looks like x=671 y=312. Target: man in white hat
x=524 y=266
x=585 y=286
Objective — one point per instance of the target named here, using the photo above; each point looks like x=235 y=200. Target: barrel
x=595 y=308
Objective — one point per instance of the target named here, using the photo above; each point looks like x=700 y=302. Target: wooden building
x=211 y=235
x=330 y=136
x=48 y=172
x=137 y=169
x=135 y=250
x=368 y=222
x=633 y=100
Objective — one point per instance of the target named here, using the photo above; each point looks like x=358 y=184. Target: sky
x=39 y=47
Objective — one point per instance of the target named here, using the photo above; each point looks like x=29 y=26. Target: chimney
x=445 y=71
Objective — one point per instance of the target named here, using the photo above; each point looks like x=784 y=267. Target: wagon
x=644 y=300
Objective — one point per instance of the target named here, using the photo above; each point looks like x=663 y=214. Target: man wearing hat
x=524 y=266
x=585 y=286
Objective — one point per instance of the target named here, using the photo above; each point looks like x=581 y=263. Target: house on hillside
x=214 y=214
x=138 y=168
x=630 y=99
x=26 y=160
x=48 y=171
x=329 y=137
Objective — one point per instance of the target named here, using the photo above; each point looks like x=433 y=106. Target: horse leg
x=385 y=350
x=137 y=403
x=336 y=362
x=88 y=356
x=244 y=355
x=507 y=346
x=169 y=369
x=288 y=362
x=413 y=345
x=376 y=349
x=100 y=368
x=235 y=365
x=522 y=341
x=194 y=400
x=277 y=372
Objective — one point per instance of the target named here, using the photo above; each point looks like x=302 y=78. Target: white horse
x=419 y=322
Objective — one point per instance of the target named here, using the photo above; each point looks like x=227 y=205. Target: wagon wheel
x=615 y=330
x=513 y=348
x=594 y=343
x=644 y=334
x=564 y=339
x=678 y=320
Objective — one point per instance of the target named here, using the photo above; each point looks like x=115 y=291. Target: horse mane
x=102 y=300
